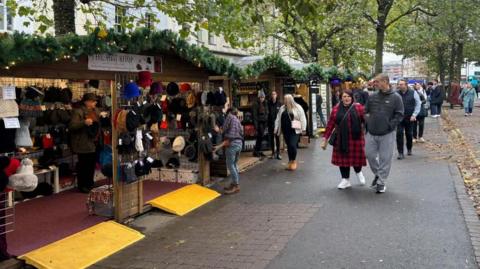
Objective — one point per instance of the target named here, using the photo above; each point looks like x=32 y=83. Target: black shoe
x=400 y=156
x=409 y=153
x=381 y=188
x=374 y=182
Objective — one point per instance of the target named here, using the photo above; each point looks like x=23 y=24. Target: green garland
x=20 y=48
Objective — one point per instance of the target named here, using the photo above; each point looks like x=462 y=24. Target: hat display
x=157 y=163
x=173 y=162
x=22 y=135
x=32 y=93
x=131 y=90
x=156 y=88
x=133 y=120
x=24 y=179
x=185 y=87
x=153 y=114
x=191 y=152
x=12 y=167
x=121 y=120
x=172 y=89
x=177 y=105
x=191 y=100
x=144 y=79
x=29 y=108
x=178 y=144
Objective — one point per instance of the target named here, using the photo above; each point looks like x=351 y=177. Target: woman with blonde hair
x=291 y=121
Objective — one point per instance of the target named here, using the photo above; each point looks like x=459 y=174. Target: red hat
x=12 y=167
x=144 y=79
x=185 y=87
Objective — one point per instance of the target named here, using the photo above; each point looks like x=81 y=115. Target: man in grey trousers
x=384 y=110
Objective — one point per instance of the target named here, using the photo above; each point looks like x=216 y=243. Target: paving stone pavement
x=300 y=220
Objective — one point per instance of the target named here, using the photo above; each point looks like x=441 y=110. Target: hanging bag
x=296 y=124
x=333 y=137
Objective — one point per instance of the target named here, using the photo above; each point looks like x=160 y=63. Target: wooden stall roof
x=173 y=69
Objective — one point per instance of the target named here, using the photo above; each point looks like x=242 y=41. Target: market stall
x=153 y=127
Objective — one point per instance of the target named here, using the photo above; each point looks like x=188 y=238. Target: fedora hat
x=178 y=144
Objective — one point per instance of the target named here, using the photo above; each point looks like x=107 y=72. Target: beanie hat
x=191 y=99
x=132 y=120
x=261 y=94
x=185 y=87
x=22 y=135
x=156 y=88
x=172 y=89
x=144 y=79
x=121 y=120
x=178 y=144
x=173 y=162
x=131 y=90
x=24 y=179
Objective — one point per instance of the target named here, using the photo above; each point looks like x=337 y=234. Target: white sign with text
x=124 y=62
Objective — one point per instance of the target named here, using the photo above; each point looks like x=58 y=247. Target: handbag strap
x=344 y=117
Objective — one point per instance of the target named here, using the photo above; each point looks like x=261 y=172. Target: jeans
x=232 y=153
x=419 y=125
x=468 y=105
x=345 y=171
x=291 y=139
x=436 y=109
x=86 y=169
x=274 y=141
x=405 y=126
x=260 y=134
x=322 y=118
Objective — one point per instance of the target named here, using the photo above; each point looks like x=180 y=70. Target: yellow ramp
x=84 y=248
x=184 y=200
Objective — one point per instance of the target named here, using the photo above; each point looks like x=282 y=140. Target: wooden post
x=117 y=187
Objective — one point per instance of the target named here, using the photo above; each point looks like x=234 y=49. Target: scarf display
x=343 y=126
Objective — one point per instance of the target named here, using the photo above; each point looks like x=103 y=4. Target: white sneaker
x=414 y=140
x=345 y=183
x=421 y=140
x=361 y=178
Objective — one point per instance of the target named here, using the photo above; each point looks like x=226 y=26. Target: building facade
x=393 y=70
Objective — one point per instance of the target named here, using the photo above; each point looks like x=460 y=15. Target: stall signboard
x=314 y=109
x=326 y=99
x=123 y=62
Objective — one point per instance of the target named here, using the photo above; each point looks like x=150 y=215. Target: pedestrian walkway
x=282 y=219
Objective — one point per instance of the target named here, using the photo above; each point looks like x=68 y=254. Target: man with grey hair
x=384 y=111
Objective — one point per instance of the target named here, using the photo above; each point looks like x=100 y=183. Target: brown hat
x=89 y=97
x=122 y=121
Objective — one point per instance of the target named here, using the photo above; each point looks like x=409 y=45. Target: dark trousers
x=345 y=170
x=418 y=125
x=274 y=140
x=291 y=139
x=261 y=126
x=404 y=127
x=86 y=169
x=436 y=109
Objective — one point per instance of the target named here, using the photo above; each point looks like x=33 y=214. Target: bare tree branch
x=408 y=12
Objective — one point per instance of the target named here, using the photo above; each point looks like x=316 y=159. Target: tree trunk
x=379 y=49
x=451 y=63
x=441 y=63
x=64 y=16
x=335 y=57
x=459 y=62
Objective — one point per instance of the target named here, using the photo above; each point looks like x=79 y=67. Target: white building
x=114 y=15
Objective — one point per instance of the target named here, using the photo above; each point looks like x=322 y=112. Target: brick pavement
x=257 y=233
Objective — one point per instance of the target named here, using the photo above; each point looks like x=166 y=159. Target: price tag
x=11 y=123
x=164 y=118
x=150 y=160
x=179 y=117
x=164 y=97
x=9 y=93
x=119 y=142
x=144 y=102
x=149 y=136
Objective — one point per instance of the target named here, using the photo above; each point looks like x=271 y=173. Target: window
x=6 y=19
x=211 y=39
x=120 y=13
x=200 y=36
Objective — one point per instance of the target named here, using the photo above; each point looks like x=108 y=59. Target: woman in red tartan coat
x=346 y=122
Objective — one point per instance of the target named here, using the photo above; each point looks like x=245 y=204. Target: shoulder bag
x=333 y=137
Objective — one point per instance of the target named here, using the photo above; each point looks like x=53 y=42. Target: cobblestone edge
x=471 y=218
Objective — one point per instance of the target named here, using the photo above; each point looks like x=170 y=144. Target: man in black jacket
x=273 y=107
x=384 y=111
x=260 y=119
x=436 y=98
x=411 y=104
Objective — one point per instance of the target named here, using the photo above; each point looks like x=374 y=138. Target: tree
x=64 y=16
x=388 y=12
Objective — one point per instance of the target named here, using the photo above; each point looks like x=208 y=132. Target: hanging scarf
x=343 y=128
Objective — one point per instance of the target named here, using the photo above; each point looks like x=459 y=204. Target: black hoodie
x=384 y=112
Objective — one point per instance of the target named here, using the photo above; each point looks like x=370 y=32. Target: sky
x=391 y=57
